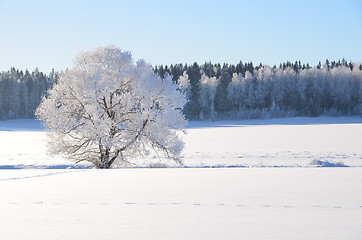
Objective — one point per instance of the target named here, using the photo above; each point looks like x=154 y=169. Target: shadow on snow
x=275 y=121
x=22 y=166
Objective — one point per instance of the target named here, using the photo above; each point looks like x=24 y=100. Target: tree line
x=21 y=92
x=227 y=91
x=245 y=91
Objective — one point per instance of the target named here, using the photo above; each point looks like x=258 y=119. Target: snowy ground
x=276 y=142
x=192 y=203
x=202 y=203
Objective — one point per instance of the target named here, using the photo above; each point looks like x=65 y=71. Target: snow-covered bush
x=106 y=109
x=320 y=163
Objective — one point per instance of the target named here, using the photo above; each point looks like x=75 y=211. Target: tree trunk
x=104 y=159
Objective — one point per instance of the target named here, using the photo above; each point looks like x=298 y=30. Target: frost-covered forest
x=293 y=89
x=225 y=91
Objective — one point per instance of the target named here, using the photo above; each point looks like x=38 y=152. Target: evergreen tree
x=221 y=100
x=193 y=107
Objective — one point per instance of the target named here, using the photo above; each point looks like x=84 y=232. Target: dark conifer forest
x=21 y=92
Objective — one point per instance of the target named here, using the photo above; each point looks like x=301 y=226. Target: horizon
x=201 y=64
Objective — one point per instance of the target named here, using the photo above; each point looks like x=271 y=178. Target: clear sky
x=48 y=34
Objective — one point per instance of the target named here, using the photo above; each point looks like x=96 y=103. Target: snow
x=289 y=142
x=274 y=142
x=21 y=125
x=239 y=203
x=295 y=202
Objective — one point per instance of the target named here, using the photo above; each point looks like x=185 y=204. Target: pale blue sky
x=48 y=34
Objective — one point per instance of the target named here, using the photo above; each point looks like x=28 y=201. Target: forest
x=21 y=92
x=215 y=91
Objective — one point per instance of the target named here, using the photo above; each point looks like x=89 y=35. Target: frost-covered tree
x=250 y=87
x=208 y=86
x=184 y=83
x=235 y=91
x=107 y=109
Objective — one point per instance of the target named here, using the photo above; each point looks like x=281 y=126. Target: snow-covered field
x=238 y=203
x=274 y=143
x=192 y=203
